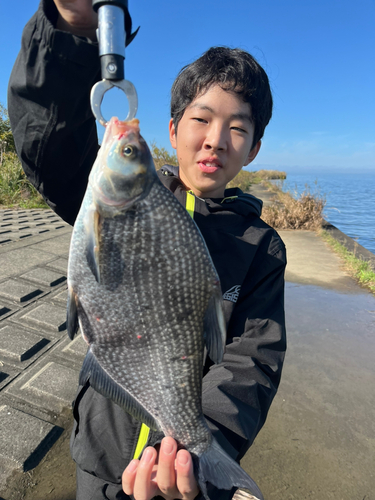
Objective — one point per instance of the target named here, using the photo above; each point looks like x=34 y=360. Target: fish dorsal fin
x=214 y=328
x=103 y=383
x=92 y=223
x=71 y=314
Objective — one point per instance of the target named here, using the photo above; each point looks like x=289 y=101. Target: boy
x=220 y=106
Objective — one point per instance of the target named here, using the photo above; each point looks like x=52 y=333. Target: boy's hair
x=234 y=70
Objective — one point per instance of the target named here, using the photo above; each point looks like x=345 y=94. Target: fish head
x=124 y=170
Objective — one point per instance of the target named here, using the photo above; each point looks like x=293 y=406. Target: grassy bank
x=245 y=179
x=358 y=268
x=15 y=190
x=288 y=212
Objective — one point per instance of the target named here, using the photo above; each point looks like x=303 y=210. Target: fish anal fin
x=214 y=328
x=103 y=383
x=92 y=223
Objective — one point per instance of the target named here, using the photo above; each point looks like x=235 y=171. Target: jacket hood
x=240 y=202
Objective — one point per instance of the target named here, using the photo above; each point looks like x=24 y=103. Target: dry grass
x=288 y=212
x=161 y=156
x=245 y=179
x=268 y=175
x=15 y=190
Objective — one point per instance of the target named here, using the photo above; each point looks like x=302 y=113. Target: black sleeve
x=238 y=392
x=49 y=109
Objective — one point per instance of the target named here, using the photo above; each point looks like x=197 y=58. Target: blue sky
x=319 y=56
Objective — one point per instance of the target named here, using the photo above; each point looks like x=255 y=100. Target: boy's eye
x=240 y=129
x=201 y=120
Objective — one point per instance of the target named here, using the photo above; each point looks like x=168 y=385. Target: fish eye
x=128 y=150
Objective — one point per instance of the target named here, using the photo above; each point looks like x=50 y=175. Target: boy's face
x=213 y=141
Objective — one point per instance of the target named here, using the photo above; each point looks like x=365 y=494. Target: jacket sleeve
x=238 y=392
x=49 y=109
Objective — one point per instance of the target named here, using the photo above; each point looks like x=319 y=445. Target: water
x=350 y=201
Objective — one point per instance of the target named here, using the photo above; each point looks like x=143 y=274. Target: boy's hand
x=171 y=478
x=77 y=17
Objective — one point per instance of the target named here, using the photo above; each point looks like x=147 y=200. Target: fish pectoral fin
x=103 y=383
x=214 y=328
x=92 y=225
x=72 y=314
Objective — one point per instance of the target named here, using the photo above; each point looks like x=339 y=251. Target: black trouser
x=103 y=442
x=90 y=487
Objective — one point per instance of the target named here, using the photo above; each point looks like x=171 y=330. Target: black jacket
x=56 y=139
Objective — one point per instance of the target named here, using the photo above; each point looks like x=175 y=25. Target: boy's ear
x=172 y=134
x=253 y=152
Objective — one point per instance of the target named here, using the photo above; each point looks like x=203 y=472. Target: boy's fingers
x=143 y=488
x=186 y=483
x=128 y=477
x=166 y=477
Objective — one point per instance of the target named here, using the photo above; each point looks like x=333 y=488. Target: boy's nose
x=215 y=139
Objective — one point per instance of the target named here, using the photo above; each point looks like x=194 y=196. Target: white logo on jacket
x=233 y=293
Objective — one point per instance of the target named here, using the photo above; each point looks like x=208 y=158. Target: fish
x=144 y=292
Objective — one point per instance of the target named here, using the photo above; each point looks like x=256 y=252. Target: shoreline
x=350 y=244
x=261 y=191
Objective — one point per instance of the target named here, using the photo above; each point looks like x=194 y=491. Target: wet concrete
x=312 y=262
x=319 y=438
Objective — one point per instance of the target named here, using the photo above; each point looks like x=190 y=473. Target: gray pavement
x=318 y=441
x=39 y=367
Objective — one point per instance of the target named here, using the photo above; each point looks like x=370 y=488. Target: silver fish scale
x=146 y=316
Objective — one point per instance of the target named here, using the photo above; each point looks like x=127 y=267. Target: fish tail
x=218 y=468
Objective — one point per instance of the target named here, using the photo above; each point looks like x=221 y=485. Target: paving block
x=43 y=276
x=18 y=344
x=4 y=310
x=73 y=350
x=70 y=352
x=61 y=297
x=5 y=240
x=60 y=264
x=51 y=386
x=20 y=260
x=58 y=246
x=7 y=374
x=26 y=446
x=18 y=291
x=46 y=315
x=77 y=346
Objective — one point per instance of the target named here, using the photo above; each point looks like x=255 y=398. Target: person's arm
x=49 y=109
x=238 y=392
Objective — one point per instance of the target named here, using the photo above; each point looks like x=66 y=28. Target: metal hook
x=100 y=88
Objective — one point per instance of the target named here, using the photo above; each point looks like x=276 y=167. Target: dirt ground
x=53 y=479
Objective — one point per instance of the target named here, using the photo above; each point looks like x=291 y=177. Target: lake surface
x=350 y=201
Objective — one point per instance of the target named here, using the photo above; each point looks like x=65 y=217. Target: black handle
x=112 y=67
